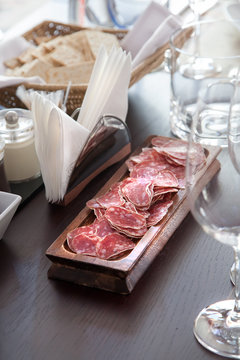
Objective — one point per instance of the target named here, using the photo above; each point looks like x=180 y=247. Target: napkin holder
x=108 y=143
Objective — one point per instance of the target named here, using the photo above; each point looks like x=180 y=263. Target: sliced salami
x=147 y=154
x=89 y=230
x=118 y=216
x=93 y=204
x=146 y=169
x=99 y=212
x=83 y=244
x=113 y=245
x=111 y=198
x=159 y=141
x=157 y=212
x=165 y=178
x=139 y=192
x=103 y=228
x=133 y=233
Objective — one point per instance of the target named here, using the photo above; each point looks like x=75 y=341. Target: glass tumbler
x=204 y=54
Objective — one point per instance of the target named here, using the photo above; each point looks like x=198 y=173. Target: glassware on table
x=218 y=41
x=234 y=142
x=216 y=207
x=198 y=66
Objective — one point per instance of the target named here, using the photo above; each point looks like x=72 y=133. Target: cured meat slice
x=102 y=228
x=146 y=169
x=176 y=151
x=165 y=178
x=159 y=141
x=111 y=198
x=93 y=204
x=99 y=212
x=147 y=154
x=119 y=216
x=160 y=190
x=132 y=233
x=157 y=212
x=112 y=245
x=83 y=244
x=180 y=173
x=89 y=230
x=139 y=192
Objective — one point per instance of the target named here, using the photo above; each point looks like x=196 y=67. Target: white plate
x=8 y=206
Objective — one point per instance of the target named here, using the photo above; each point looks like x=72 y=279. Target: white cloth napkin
x=151 y=31
x=59 y=139
x=9 y=49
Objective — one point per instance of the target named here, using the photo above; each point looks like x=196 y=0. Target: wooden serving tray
x=121 y=275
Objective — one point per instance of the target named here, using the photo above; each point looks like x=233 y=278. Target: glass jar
x=4 y=186
x=17 y=130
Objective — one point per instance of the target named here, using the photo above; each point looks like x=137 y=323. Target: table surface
x=48 y=319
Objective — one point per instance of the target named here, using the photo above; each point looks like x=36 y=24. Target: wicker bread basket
x=8 y=96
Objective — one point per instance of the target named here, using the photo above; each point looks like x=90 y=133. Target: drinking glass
x=234 y=141
x=216 y=207
x=200 y=67
x=218 y=44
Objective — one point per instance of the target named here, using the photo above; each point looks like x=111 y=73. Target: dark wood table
x=47 y=319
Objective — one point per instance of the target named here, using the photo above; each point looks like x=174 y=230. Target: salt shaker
x=17 y=130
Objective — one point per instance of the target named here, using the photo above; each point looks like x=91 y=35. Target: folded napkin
x=59 y=140
x=9 y=49
x=151 y=31
x=107 y=92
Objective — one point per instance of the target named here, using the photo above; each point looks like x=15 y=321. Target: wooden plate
x=122 y=274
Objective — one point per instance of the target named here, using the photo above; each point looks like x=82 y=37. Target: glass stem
x=237 y=281
x=233 y=318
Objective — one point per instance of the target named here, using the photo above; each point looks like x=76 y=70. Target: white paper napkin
x=58 y=140
x=151 y=31
x=107 y=92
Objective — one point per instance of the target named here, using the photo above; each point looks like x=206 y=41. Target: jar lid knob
x=11 y=118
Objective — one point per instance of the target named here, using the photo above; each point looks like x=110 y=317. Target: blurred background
x=23 y=14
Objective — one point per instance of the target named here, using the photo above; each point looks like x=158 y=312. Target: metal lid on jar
x=16 y=125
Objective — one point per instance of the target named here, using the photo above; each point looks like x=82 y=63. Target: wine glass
x=234 y=141
x=216 y=207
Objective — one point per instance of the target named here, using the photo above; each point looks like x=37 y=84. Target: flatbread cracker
x=78 y=74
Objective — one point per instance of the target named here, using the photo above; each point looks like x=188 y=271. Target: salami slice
x=157 y=212
x=165 y=178
x=147 y=154
x=113 y=245
x=83 y=244
x=89 y=230
x=146 y=169
x=159 y=141
x=133 y=233
x=118 y=216
x=111 y=198
x=99 y=212
x=93 y=204
x=102 y=228
x=139 y=192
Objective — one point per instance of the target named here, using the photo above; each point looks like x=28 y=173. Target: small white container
x=8 y=206
x=20 y=159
